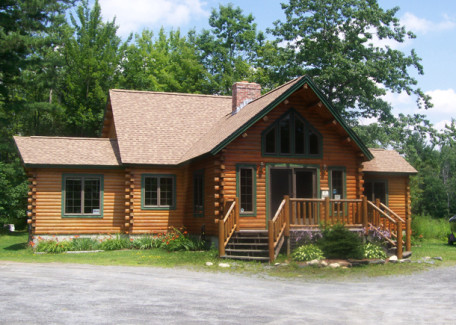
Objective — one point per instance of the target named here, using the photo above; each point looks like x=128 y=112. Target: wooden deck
x=298 y=213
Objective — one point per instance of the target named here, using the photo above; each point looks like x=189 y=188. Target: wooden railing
x=228 y=225
x=316 y=212
x=278 y=228
x=382 y=218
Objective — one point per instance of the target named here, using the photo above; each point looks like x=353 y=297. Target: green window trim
x=144 y=177
x=308 y=130
x=83 y=178
x=239 y=194
x=198 y=194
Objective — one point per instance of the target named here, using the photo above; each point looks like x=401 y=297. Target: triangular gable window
x=292 y=135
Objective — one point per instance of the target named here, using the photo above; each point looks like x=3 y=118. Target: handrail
x=228 y=225
x=278 y=227
x=322 y=200
x=392 y=212
x=279 y=210
x=382 y=212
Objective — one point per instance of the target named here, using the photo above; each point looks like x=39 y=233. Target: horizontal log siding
x=153 y=221
x=49 y=199
x=397 y=192
x=247 y=150
x=192 y=222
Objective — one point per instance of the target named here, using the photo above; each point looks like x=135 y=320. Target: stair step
x=254 y=258
x=254 y=232
x=246 y=250
x=249 y=244
x=249 y=237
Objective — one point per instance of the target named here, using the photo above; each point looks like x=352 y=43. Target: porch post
x=221 y=237
x=287 y=222
x=236 y=213
x=399 y=239
x=364 y=212
x=327 y=208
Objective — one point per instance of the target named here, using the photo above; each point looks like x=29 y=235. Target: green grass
x=13 y=247
x=430 y=228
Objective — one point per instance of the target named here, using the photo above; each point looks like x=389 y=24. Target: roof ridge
x=169 y=93
x=70 y=138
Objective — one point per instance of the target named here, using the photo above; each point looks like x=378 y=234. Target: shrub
x=177 y=240
x=429 y=228
x=307 y=253
x=147 y=242
x=116 y=243
x=339 y=242
x=305 y=237
x=53 y=246
x=374 y=251
x=84 y=244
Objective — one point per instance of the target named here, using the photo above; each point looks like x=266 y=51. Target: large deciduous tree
x=336 y=43
x=92 y=54
x=229 y=50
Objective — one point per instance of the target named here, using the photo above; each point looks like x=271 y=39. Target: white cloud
x=422 y=25
x=444 y=101
x=441 y=125
x=134 y=15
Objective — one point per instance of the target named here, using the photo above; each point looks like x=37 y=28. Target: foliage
x=83 y=244
x=374 y=251
x=231 y=50
x=167 y=63
x=339 y=242
x=53 y=246
x=177 y=240
x=13 y=193
x=115 y=243
x=307 y=253
x=92 y=57
x=306 y=237
x=426 y=227
x=147 y=242
x=334 y=42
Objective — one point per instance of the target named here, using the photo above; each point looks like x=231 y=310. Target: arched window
x=292 y=135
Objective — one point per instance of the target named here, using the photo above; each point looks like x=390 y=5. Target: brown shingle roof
x=159 y=128
x=68 y=151
x=230 y=123
x=387 y=161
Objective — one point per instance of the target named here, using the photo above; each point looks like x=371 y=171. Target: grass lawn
x=13 y=247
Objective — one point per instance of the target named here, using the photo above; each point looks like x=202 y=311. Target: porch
x=302 y=214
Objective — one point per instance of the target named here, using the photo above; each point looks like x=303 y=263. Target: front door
x=295 y=182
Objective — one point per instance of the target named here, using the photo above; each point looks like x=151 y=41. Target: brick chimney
x=243 y=93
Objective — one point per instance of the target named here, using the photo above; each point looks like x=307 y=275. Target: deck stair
x=248 y=245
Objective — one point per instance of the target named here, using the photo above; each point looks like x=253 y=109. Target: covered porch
x=302 y=213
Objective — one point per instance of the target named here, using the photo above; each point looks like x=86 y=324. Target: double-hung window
x=158 y=191
x=82 y=195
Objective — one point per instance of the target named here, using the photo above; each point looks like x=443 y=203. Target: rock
x=377 y=261
x=392 y=258
x=354 y=262
x=405 y=260
x=430 y=262
x=438 y=258
x=334 y=265
x=406 y=254
x=314 y=262
x=276 y=264
x=324 y=263
x=426 y=258
x=302 y=265
x=224 y=265
x=209 y=263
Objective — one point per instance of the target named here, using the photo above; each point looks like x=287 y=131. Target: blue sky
x=433 y=22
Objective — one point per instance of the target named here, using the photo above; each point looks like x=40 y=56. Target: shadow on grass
x=16 y=247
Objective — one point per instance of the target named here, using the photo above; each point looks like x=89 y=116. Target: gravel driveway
x=88 y=294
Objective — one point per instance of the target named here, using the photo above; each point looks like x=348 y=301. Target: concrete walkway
x=88 y=294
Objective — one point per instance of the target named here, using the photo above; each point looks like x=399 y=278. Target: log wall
x=48 y=204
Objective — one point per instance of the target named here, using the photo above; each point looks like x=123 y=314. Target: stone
x=324 y=263
x=405 y=260
x=314 y=262
x=276 y=264
x=406 y=254
x=426 y=258
x=378 y=261
x=334 y=265
x=430 y=262
x=354 y=262
x=392 y=258
x=209 y=263
x=438 y=258
x=224 y=265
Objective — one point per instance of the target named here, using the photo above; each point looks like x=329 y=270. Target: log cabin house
x=249 y=169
